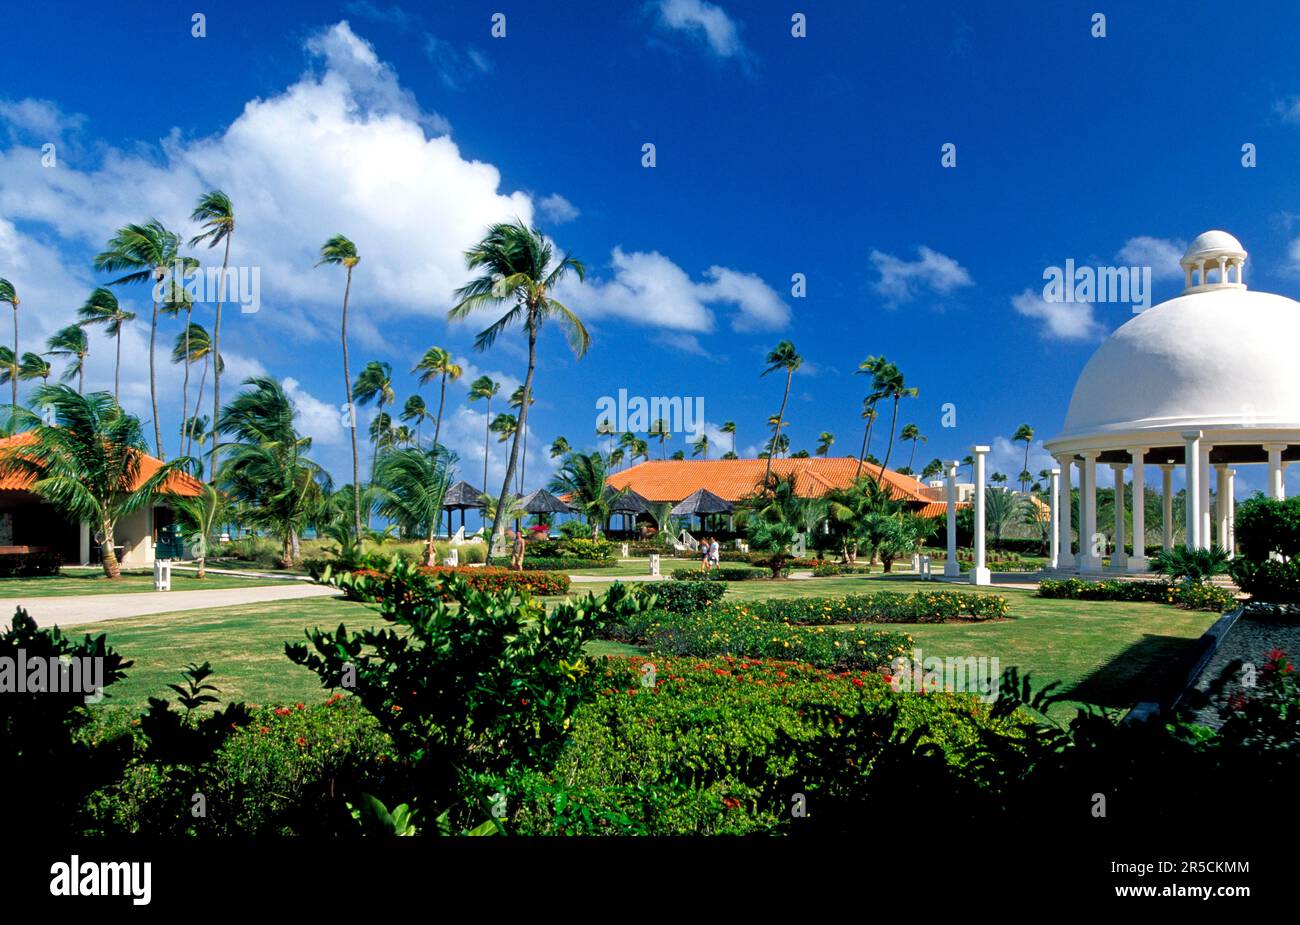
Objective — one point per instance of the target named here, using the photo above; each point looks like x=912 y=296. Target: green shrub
x=367 y=583
x=557 y=563
x=722 y=573
x=1263 y=526
x=19 y=565
x=882 y=607
x=1270 y=580
x=1190 y=596
x=683 y=596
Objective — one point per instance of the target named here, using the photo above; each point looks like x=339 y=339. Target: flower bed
x=883 y=607
x=1190 y=596
x=501 y=579
x=557 y=563
x=683 y=596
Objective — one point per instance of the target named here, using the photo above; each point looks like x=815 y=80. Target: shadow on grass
x=1153 y=668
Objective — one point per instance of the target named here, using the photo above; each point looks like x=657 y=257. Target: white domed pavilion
x=1207 y=381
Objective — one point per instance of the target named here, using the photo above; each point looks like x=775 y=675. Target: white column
x=1138 y=561
x=1055 y=538
x=951 y=567
x=1192 y=466
x=1089 y=554
x=1221 y=506
x=83 y=545
x=1276 y=487
x=1065 y=552
x=1207 y=517
x=1119 y=558
x=1231 y=507
x=1167 y=504
x=979 y=574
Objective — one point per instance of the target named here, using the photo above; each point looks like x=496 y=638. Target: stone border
x=1209 y=641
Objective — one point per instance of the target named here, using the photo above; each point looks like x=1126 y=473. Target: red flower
x=265 y=729
x=302 y=706
x=282 y=711
x=857 y=682
x=730 y=802
x=302 y=741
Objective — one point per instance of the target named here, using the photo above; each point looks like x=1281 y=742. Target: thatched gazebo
x=460 y=497
x=628 y=503
x=702 y=503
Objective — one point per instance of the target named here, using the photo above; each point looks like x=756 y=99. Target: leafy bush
x=1269 y=580
x=1191 y=565
x=722 y=573
x=368 y=583
x=23 y=564
x=478 y=688
x=825 y=568
x=1265 y=526
x=683 y=596
x=882 y=607
x=557 y=563
x=1191 y=596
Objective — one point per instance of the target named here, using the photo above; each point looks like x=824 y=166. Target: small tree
x=202 y=517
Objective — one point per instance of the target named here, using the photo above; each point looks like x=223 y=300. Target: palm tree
x=912 y=434
x=701 y=446
x=518 y=266
x=437 y=364
x=824 y=442
x=102 y=308
x=381 y=435
x=616 y=457
x=175 y=299
x=932 y=469
x=484 y=387
x=410 y=486
x=10 y=295
x=71 y=342
x=659 y=429
x=34 y=366
x=375 y=383
x=729 y=427
x=678 y=454
x=640 y=448
x=894 y=387
x=268 y=469
x=191 y=346
x=516 y=402
x=1001 y=508
x=783 y=356
x=10 y=371
x=339 y=251
x=1193 y=566
x=583 y=477
x=416 y=410
x=87 y=463
x=196 y=430
x=1024 y=434
x=216 y=215
x=559 y=447
x=505 y=426
x=202 y=516
x=148 y=252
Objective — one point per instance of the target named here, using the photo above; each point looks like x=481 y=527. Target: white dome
x=1213 y=243
x=1221 y=357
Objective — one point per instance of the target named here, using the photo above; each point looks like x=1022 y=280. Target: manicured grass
x=1105 y=653
x=94 y=582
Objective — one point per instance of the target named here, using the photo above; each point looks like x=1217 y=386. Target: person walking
x=704 y=555
x=715 y=553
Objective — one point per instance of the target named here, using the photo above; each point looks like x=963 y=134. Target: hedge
x=721 y=573
x=358 y=587
x=557 y=563
x=881 y=607
x=683 y=596
x=30 y=563
x=1189 y=596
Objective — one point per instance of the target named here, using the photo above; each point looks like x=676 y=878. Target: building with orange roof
x=672 y=480
x=29 y=524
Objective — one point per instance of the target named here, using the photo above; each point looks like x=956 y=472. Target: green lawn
x=1109 y=654
x=94 y=582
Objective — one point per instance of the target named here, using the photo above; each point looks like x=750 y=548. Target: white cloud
x=1160 y=254
x=326 y=423
x=557 y=209
x=650 y=289
x=1061 y=320
x=903 y=280
x=705 y=22
x=1288 y=109
x=1008 y=458
x=455 y=67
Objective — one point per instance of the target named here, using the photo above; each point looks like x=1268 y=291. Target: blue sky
x=411 y=128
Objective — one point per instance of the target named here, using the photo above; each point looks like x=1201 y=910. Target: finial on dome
x=1213 y=250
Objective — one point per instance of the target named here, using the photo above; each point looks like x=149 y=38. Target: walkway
x=75 y=609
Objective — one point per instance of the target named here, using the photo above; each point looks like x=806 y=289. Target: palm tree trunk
x=487 y=433
x=216 y=369
x=352 y=415
x=198 y=401
x=81 y=375
x=117 y=368
x=893 y=421
x=153 y=380
x=912 y=456
x=866 y=438
x=498 y=526
x=780 y=419
x=442 y=397
x=13 y=379
x=430 y=550
x=112 y=569
x=185 y=389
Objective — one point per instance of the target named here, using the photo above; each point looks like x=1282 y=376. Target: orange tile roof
x=673 y=479
x=179 y=483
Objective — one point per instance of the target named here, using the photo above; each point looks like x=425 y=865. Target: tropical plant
x=34 y=366
x=894 y=388
x=582 y=476
x=519 y=267
x=416 y=410
x=782 y=356
x=912 y=434
x=10 y=371
x=701 y=446
x=86 y=464
x=202 y=516
x=824 y=443
x=729 y=427
x=437 y=364
x=877 y=367
x=1024 y=434
x=505 y=426
x=1001 y=509
x=149 y=253
x=517 y=402
x=410 y=486
x=660 y=431
x=559 y=447
x=339 y=251
x=268 y=468
x=933 y=469
x=484 y=387
x=375 y=383
x=1192 y=566
x=10 y=295
x=71 y=342
x=102 y=308
x=216 y=215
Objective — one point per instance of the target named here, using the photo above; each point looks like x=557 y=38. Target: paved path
x=71 y=610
